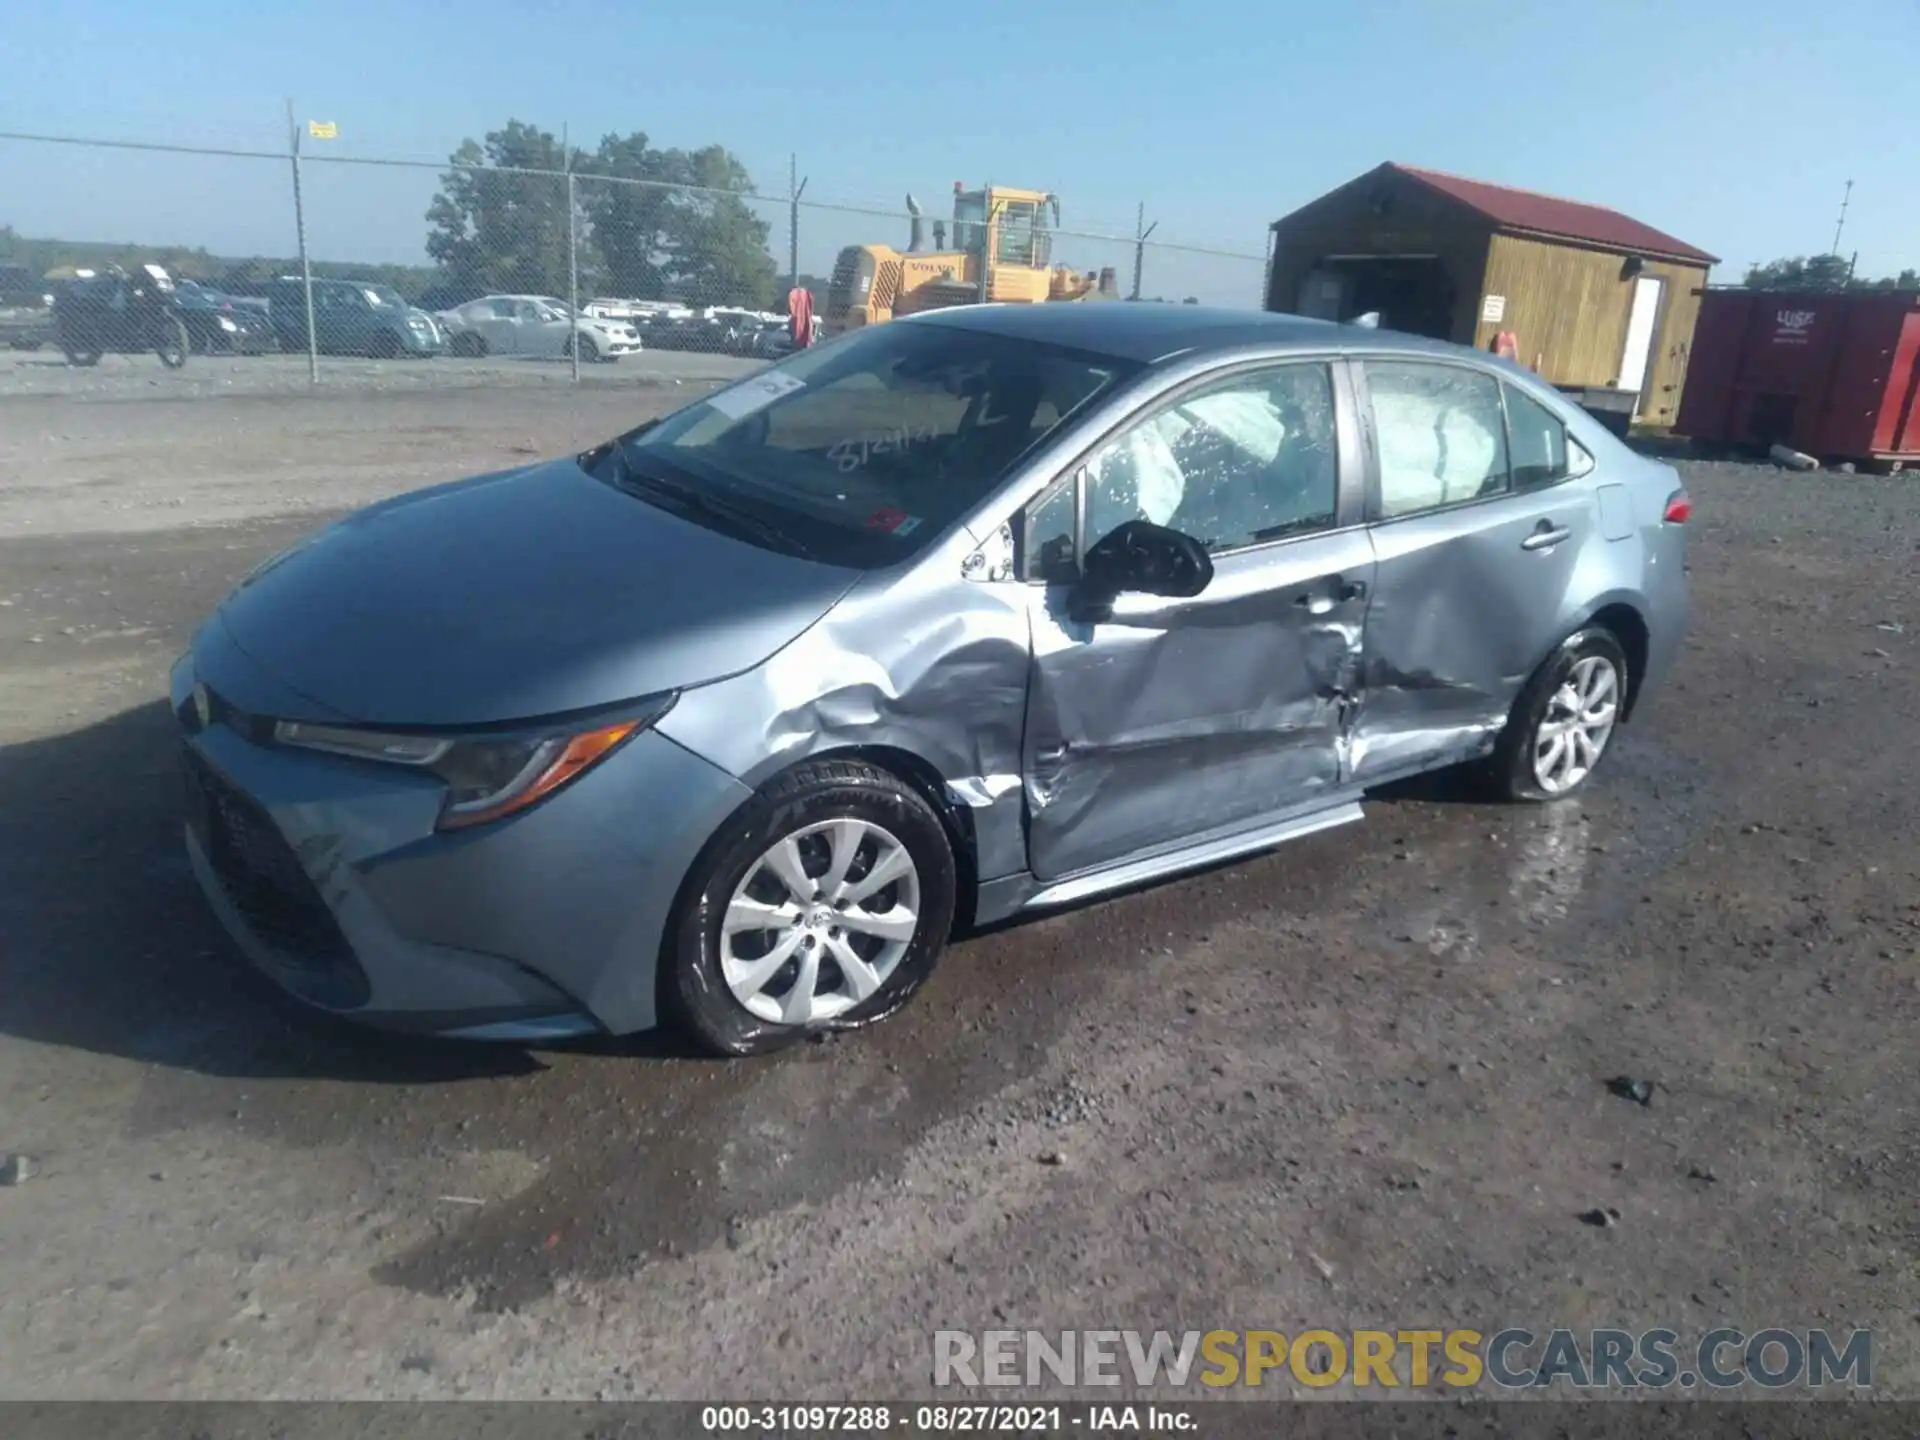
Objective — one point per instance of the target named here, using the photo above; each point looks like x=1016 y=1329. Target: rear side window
x=1539 y=441
x=1441 y=435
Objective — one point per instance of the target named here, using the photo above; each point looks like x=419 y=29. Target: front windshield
x=864 y=449
x=381 y=296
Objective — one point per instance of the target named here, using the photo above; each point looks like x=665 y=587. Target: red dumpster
x=1834 y=375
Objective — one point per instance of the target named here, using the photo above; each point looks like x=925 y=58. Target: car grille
x=269 y=887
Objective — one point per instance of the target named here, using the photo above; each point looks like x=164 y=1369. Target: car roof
x=1149 y=332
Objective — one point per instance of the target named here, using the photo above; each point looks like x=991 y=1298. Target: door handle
x=1545 y=537
x=1335 y=591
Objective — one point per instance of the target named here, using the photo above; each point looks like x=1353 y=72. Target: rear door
x=1476 y=535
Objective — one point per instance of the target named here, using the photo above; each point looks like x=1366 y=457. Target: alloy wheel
x=819 y=922
x=1578 y=722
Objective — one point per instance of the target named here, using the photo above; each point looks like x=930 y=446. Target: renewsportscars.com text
x=1726 y=1358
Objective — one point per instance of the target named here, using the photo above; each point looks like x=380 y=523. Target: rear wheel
x=173 y=346
x=1564 y=721
x=81 y=357
x=824 y=904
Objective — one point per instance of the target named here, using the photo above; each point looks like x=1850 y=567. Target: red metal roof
x=1548 y=215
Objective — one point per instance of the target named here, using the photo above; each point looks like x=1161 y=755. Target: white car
x=633 y=310
x=534 y=325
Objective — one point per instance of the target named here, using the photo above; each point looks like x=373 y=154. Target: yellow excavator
x=1002 y=251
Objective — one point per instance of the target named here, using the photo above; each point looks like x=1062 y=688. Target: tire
x=175 y=344
x=589 y=352
x=468 y=346
x=708 y=967
x=1588 y=666
x=84 y=359
x=385 y=346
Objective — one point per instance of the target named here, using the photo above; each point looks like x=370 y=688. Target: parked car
x=350 y=317
x=535 y=325
x=217 y=323
x=770 y=342
x=115 y=311
x=985 y=611
x=26 y=309
x=683 y=330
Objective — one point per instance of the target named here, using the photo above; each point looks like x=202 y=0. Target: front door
x=1476 y=541
x=1171 y=719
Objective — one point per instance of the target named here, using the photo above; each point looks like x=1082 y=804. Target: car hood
x=517 y=595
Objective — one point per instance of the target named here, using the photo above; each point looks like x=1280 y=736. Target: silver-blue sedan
x=732 y=720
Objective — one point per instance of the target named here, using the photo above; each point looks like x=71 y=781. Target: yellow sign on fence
x=323 y=130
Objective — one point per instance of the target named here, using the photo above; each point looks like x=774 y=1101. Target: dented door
x=1177 y=717
x=1476 y=577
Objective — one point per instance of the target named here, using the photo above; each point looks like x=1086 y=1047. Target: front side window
x=864 y=449
x=1441 y=435
x=1248 y=460
x=1539 y=441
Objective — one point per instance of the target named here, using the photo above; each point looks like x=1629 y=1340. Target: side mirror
x=1142 y=558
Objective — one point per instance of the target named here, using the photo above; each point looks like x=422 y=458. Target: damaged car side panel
x=1172 y=717
x=911 y=662
x=1456 y=625
x=1480 y=573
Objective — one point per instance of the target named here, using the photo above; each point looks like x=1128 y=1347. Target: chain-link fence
x=562 y=263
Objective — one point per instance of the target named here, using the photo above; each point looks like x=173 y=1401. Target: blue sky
x=1731 y=125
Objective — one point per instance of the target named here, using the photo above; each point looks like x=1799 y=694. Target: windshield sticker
x=893 y=522
x=741 y=400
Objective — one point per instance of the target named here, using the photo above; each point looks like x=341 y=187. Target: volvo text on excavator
x=1002 y=251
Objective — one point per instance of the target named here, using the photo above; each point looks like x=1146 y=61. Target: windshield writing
x=889 y=433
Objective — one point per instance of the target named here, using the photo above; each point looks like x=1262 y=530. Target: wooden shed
x=1594 y=300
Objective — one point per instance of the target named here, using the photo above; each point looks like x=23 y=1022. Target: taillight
x=1679 y=508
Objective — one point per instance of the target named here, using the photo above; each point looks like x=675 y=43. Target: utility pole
x=796 y=187
x=573 y=254
x=300 y=228
x=1141 y=230
x=1842 y=223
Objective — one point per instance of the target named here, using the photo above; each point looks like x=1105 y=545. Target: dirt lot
x=1358 y=1082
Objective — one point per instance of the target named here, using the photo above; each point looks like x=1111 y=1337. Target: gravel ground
x=45 y=372
x=1357 y=1082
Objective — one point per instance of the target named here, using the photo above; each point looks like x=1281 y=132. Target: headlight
x=487 y=776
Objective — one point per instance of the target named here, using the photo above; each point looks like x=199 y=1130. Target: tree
x=1822 y=273
x=674 y=224
x=493 y=229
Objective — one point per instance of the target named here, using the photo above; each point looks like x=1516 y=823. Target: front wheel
x=173 y=346
x=824 y=904
x=80 y=356
x=1564 y=720
x=589 y=352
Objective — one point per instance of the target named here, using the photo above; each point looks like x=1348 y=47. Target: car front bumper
x=331 y=878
